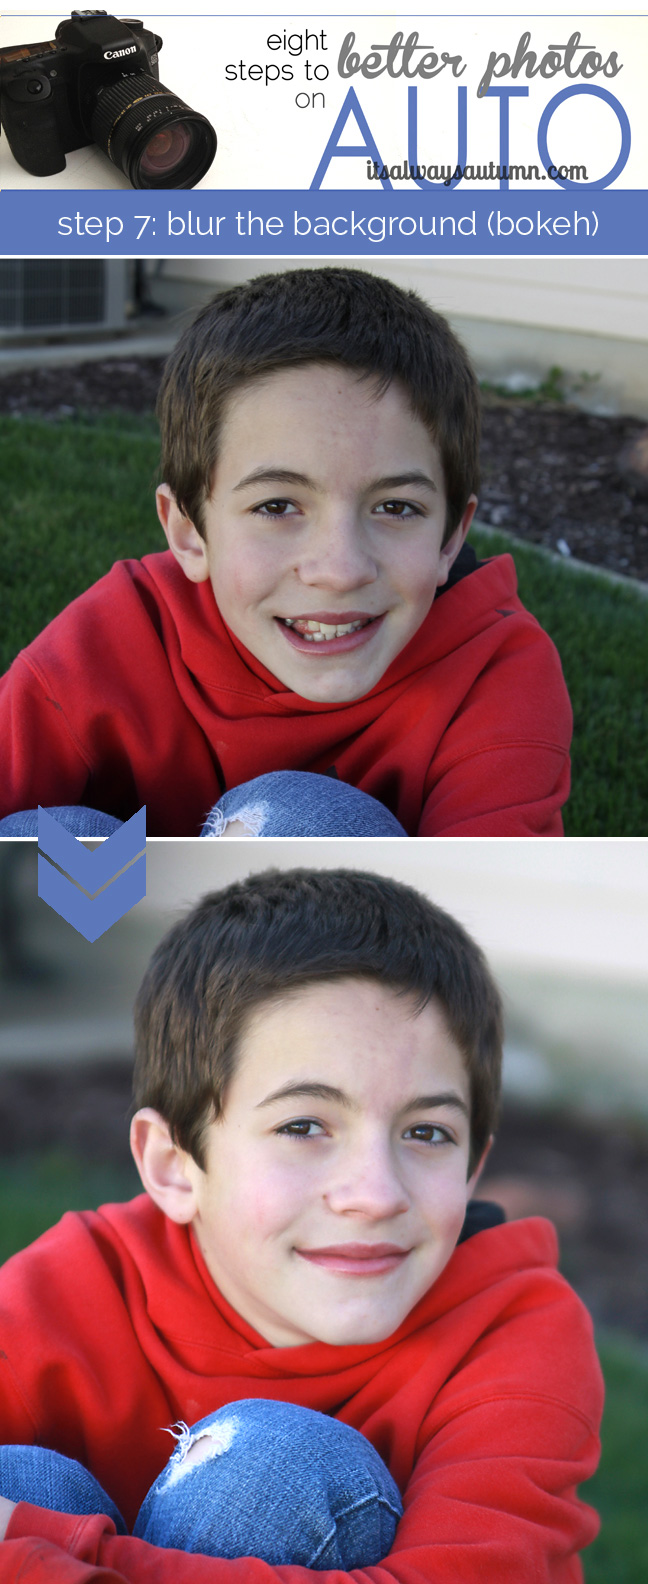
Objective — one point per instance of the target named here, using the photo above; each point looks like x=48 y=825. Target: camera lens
x=152 y=135
x=166 y=151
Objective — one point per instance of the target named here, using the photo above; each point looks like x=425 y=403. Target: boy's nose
x=367 y=1184
x=337 y=555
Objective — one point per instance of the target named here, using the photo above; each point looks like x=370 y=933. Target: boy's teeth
x=318 y=632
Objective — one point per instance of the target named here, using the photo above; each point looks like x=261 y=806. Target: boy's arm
x=492 y=1495
x=67 y=717
x=516 y=790
x=491 y=1501
x=502 y=766
x=42 y=761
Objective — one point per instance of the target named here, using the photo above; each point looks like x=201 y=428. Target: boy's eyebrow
x=280 y=475
x=274 y=475
x=324 y=1091
x=397 y=480
x=317 y=1091
x=430 y=1102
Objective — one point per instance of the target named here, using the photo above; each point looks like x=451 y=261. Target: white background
x=266 y=141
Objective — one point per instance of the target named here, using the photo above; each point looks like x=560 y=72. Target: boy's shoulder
x=134 y=1252
x=136 y=1236
x=70 y=1255
x=132 y=591
x=155 y=593
x=144 y=616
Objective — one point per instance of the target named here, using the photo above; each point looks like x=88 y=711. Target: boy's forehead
x=320 y=392
x=350 y=1030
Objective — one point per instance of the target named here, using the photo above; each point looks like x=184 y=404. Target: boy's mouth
x=356 y=1259
x=329 y=632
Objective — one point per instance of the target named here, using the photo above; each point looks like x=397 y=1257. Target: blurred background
x=517 y=317
x=565 y=927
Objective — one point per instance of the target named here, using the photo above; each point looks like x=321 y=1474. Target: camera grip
x=32 y=131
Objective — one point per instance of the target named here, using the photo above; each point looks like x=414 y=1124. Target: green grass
x=600 y=630
x=619 y=1488
x=557 y=386
x=551 y=388
x=78 y=495
x=36 y=1190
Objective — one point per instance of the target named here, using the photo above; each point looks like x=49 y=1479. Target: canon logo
x=114 y=54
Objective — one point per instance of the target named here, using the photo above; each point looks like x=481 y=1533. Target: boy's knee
x=277 y=1481
x=299 y=803
x=48 y=1479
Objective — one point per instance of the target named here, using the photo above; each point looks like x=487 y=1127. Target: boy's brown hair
x=305 y=316
x=279 y=931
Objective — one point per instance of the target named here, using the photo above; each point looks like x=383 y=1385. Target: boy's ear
x=473 y=1181
x=185 y=542
x=163 y=1167
x=451 y=550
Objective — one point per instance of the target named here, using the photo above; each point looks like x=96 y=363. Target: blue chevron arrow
x=109 y=888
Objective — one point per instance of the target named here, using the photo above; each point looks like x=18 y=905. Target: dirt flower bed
x=559 y=477
x=551 y=474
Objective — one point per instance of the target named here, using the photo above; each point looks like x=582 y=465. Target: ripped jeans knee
x=275 y=1481
x=300 y=803
x=257 y=1478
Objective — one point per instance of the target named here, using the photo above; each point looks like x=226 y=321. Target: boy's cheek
x=239 y=592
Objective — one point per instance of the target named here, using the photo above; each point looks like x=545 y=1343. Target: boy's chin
x=332 y=694
x=341 y=679
x=360 y=1333
x=325 y=682
x=330 y=679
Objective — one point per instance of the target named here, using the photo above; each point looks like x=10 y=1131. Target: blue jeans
x=282 y=803
x=80 y=821
x=257 y=1478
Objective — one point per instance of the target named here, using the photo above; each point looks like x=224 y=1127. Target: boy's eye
x=399 y=508
x=302 y=1127
x=428 y=1133
x=275 y=508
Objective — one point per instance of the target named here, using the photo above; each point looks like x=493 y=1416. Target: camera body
x=48 y=92
x=97 y=81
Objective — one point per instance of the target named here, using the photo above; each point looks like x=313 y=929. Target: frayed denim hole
x=253 y=815
x=219 y=1438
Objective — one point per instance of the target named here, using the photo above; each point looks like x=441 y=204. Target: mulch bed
x=559 y=477
x=552 y=475
x=591 y=1179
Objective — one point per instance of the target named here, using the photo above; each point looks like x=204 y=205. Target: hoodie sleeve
x=502 y=767
x=512 y=790
x=43 y=762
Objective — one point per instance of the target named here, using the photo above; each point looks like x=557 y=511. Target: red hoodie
x=485 y=1403
x=139 y=693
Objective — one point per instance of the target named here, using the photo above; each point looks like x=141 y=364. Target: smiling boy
x=318 y=651
x=354 y=447
x=362 y=1368
x=281 y=1191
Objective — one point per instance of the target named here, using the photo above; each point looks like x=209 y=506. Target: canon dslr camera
x=98 y=82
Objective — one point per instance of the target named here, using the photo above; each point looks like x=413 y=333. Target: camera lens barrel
x=150 y=133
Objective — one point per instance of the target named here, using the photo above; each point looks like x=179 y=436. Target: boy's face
x=336 y=1180
x=324 y=529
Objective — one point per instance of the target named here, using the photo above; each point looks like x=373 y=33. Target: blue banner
x=91 y=890
x=303 y=223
